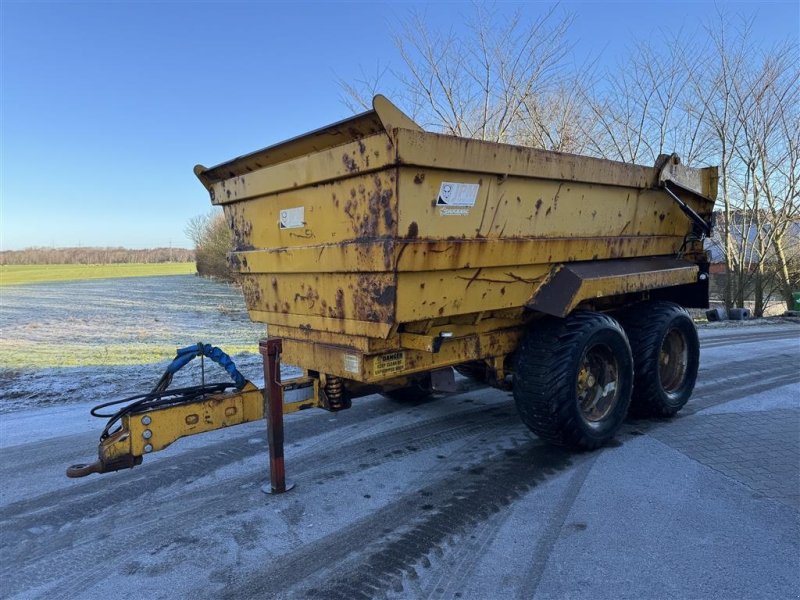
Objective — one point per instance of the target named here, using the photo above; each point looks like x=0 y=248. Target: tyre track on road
x=198 y=462
x=380 y=448
x=454 y=504
x=718 y=341
x=38 y=539
x=385 y=565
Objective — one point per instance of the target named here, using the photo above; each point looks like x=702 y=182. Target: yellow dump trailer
x=380 y=256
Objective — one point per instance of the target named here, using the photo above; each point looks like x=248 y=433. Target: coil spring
x=334 y=391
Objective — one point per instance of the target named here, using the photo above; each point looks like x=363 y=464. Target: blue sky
x=107 y=106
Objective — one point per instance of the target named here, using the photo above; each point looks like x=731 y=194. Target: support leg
x=270 y=349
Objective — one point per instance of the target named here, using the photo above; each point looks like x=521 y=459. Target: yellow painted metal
x=160 y=427
x=153 y=430
x=347 y=249
x=601 y=287
x=350 y=363
x=437 y=255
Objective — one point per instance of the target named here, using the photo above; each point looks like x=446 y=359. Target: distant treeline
x=93 y=256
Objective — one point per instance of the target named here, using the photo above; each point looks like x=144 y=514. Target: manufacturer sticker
x=457 y=194
x=352 y=364
x=293 y=218
x=453 y=212
x=390 y=363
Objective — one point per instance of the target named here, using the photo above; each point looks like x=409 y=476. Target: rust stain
x=241 y=228
x=311 y=296
x=349 y=163
x=338 y=312
x=558 y=193
x=472 y=279
x=252 y=293
x=374 y=299
x=494 y=215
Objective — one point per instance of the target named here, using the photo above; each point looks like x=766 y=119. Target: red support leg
x=270 y=349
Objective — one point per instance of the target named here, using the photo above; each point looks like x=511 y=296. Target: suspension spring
x=334 y=391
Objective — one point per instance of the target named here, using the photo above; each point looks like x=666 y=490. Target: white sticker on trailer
x=352 y=364
x=292 y=218
x=457 y=194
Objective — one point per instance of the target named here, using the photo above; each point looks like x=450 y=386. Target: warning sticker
x=390 y=363
x=352 y=364
x=457 y=194
x=292 y=218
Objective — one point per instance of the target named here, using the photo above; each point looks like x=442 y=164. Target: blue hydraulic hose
x=185 y=355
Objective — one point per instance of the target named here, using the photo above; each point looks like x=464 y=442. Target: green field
x=22 y=274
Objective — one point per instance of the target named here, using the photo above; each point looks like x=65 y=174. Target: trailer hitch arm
x=149 y=431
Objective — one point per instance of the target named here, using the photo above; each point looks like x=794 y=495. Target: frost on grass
x=100 y=340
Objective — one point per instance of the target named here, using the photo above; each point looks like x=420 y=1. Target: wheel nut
x=146 y=420
x=147 y=434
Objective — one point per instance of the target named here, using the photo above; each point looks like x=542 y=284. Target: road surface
x=451 y=498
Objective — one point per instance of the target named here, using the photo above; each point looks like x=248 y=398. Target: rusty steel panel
x=359 y=208
x=512 y=207
x=444 y=255
x=423 y=294
x=383 y=117
x=352 y=364
x=570 y=284
x=362 y=297
x=356 y=233
x=363 y=156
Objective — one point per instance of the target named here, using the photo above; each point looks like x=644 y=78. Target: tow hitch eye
x=98 y=466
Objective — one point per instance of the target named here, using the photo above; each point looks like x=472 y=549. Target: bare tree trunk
x=758 y=292
x=728 y=244
x=783 y=272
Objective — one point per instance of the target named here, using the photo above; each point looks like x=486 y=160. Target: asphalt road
x=452 y=498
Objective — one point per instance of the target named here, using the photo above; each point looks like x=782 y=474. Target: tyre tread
x=544 y=362
x=644 y=324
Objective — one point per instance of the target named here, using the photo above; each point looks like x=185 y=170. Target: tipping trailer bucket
x=371 y=234
x=381 y=255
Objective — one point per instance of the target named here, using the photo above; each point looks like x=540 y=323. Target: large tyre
x=666 y=353
x=573 y=379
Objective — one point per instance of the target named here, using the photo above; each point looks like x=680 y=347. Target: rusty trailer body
x=380 y=256
x=362 y=243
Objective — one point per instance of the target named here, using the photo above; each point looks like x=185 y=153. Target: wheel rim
x=673 y=360
x=598 y=383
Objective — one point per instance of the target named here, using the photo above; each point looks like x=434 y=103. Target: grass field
x=118 y=321
x=22 y=274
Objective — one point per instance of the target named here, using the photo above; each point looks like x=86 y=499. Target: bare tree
x=213 y=241
x=643 y=106
x=504 y=80
x=716 y=96
x=750 y=99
